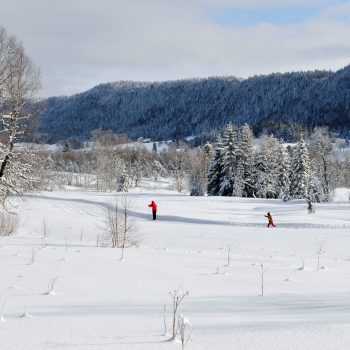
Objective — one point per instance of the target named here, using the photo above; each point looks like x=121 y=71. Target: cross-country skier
x=153 y=205
x=269 y=217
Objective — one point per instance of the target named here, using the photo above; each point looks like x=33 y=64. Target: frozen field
x=100 y=302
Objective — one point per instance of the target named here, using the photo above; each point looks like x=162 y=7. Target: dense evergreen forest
x=276 y=103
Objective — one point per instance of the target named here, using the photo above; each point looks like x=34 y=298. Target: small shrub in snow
x=8 y=223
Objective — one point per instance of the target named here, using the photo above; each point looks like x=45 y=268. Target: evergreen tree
x=321 y=149
x=300 y=171
x=247 y=159
x=66 y=147
x=216 y=169
x=265 y=169
x=315 y=191
x=154 y=148
x=230 y=150
x=238 y=183
x=283 y=166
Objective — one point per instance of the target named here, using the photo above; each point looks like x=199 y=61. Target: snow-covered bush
x=8 y=223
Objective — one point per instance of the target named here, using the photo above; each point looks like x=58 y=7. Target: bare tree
x=198 y=173
x=111 y=170
x=19 y=81
x=177 y=296
x=120 y=227
x=176 y=161
x=128 y=227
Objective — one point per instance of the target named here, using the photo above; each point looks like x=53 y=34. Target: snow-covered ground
x=100 y=302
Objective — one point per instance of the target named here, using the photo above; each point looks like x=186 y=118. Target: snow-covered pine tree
x=247 y=159
x=216 y=169
x=265 y=173
x=238 y=182
x=321 y=150
x=283 y=166
x=230 y=147
x=315 y=191
x=300 y=171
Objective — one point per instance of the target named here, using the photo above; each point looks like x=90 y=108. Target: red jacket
x=153 y=205
x=269 y=217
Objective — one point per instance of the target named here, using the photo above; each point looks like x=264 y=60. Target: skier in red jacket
x=269 y=217
x=153 y=205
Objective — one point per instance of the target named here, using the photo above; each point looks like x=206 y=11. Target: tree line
x=282 y=104
x=270 y=169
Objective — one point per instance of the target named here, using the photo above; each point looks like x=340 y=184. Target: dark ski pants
x=271 y=223
x=154 y=215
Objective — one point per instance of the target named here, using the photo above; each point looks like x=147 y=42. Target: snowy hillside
x=100 y=302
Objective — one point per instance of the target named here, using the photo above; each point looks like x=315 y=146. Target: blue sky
x=81 y=43
x=251 y=17
x=276 y=14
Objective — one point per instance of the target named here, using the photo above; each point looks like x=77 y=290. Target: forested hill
x=176 y=109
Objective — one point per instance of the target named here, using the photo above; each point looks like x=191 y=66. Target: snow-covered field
x=100 y=302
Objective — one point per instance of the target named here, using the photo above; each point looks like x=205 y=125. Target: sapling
x=50 y=286
x=44 y=229
x=177 y=296
x=32 y=257
x=81 y=235
x=228 y=255
x=164 y=319
x=262 y=273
